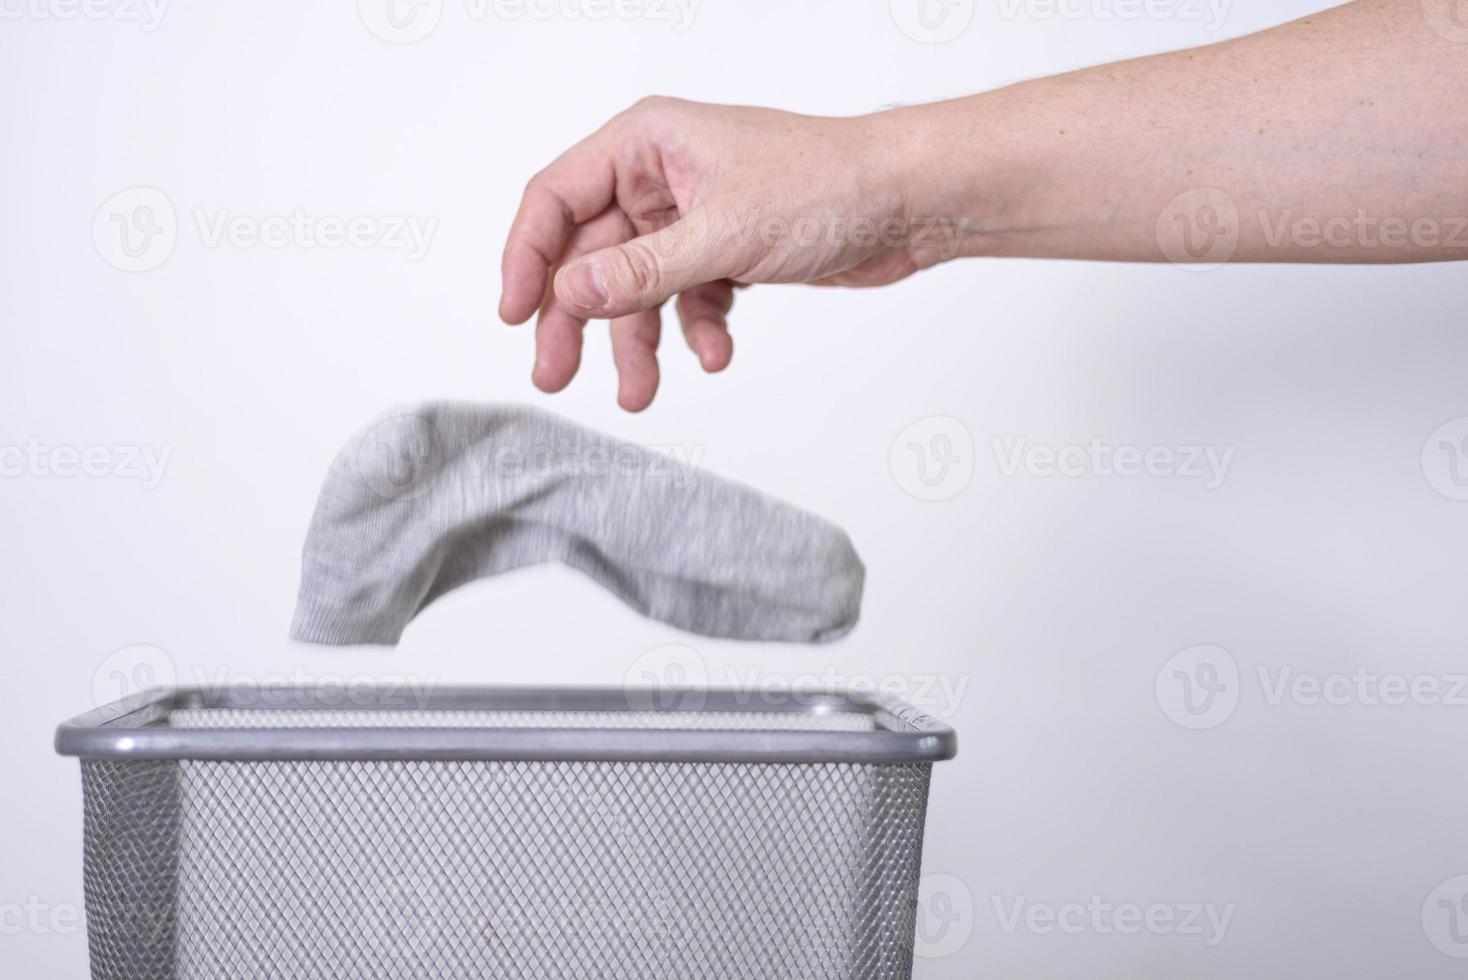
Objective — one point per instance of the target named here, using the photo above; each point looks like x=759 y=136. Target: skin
x=1337 y=138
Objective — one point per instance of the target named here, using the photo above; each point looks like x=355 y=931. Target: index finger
x=577 y=187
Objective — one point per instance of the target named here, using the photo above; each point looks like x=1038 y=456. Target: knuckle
x=650 y=109
x=650 y=102
x=641 y=270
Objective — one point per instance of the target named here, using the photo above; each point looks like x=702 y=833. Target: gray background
x=1051 y=604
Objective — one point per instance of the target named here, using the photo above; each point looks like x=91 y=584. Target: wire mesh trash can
x=506 y=833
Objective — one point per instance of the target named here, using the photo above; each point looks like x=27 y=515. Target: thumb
x=645 y=272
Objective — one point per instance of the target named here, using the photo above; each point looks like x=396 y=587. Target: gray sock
x=434 y=496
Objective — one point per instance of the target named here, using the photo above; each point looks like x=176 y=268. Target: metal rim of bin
x=128 y=729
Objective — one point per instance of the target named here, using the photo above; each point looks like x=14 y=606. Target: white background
x=1051 y=602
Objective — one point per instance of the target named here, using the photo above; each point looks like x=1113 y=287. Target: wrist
x=972 y=170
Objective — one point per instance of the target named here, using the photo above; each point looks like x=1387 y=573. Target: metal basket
x=503 y=833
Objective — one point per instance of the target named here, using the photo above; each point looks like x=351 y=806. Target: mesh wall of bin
x=506 y=833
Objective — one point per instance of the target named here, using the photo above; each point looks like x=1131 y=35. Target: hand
x=680 y=199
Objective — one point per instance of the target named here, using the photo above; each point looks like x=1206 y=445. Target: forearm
x=1338 y=138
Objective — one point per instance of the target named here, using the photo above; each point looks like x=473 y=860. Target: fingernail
x=587 y=286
